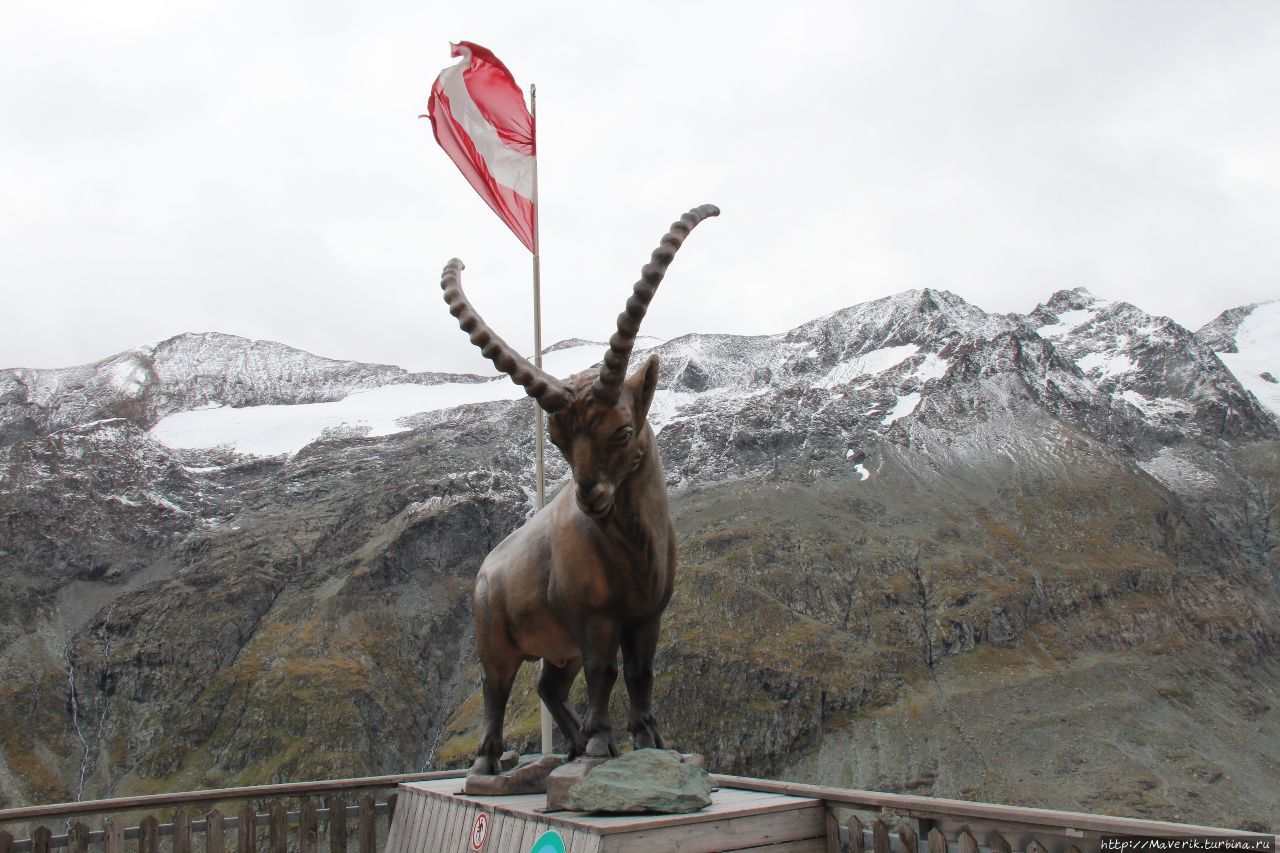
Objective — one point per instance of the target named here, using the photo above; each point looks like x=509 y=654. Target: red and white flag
x=480 y=120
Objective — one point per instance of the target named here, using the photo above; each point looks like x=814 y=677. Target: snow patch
x=876 y=361
x=862 y=471
x=1157 y=407
x=1106 y=364
x=275 y=430
x=1258 y=345
x=933 y=367
x=1067 y=321
x=1176 y=472
x=905 y=406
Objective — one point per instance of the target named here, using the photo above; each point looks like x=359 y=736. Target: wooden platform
x=435 y=817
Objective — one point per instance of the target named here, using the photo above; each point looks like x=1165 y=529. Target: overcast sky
x=258 y=168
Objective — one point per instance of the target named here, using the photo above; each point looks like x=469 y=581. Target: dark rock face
x=905 y=518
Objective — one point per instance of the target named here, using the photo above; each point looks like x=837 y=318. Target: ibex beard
x=590 y=574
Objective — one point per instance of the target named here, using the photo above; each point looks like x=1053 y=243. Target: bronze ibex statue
x=591 y=572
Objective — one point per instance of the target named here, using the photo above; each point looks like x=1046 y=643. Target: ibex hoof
x=602 y=746
x=486 y=766
x=647 y=739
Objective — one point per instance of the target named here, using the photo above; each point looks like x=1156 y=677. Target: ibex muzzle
x=591 y=573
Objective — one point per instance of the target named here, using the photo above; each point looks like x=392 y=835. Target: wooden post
x=112 y=836
x=278 y=833
x=392 y=799
x=338 y=825
x=78 y=838
x=368 y=840
x=248 y=829
x=308 y=826
x=907 y=836
x=937 y=841
x=181 y=831
x=41 y=840
x=856 y=842
x=149 y=835
x=999 y=845
x=968 y=844
x=6 y=842
x=215 y=833
x=1035 y=847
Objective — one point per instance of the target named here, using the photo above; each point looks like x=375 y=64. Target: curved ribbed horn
x=537 y=383
x=608 y=386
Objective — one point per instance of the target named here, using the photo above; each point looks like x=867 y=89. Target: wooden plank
x=368 y=836
x=6 y=842
x=278 y=829
x=463 y=838
x=857 y=842
x=78 y=838
x=392 y=799
x=149 y=835
x=937 y=842
x=726 y=833
x=833 y=831
x=433 y=831
x=248 y=829
x=880 y=836
x=448 y=817
x=181 y=831
x=907 y=835
x=429 y=811
x=532 y=829
x=337 y=825
x=308 y=826
x=999 y=845
x=41 y=840
x=969 y=844
x=113 y=835
x=806 y=845
x=215 y=832
x=403 y=824
x=492 y=840
x=1035 y=847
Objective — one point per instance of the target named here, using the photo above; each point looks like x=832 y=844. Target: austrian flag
x=480 y=120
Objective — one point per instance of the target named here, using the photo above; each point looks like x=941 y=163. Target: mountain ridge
x=905 y=504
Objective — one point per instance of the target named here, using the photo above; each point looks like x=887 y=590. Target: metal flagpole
x=537 y=360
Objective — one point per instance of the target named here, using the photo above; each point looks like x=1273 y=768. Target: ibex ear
x=641 y=384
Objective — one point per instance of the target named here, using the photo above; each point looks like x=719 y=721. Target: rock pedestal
x=647 y=780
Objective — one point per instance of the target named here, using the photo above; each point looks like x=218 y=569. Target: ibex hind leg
x=497 y=680
x=553 y=688
x=638 y=648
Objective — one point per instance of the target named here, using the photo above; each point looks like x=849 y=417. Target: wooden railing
x=913 y=824
x=286 y=818
x=306 y=817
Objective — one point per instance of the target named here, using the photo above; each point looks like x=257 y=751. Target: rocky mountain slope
x=1029 y=559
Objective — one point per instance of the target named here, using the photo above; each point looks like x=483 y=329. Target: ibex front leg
x=497 y=680
x=638 y=647
x=599 y=642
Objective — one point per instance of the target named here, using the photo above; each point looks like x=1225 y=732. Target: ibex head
x=598 y=418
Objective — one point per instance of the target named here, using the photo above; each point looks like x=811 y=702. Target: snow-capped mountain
x=224 y=547
x=1247 y=340
x=184 y=372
